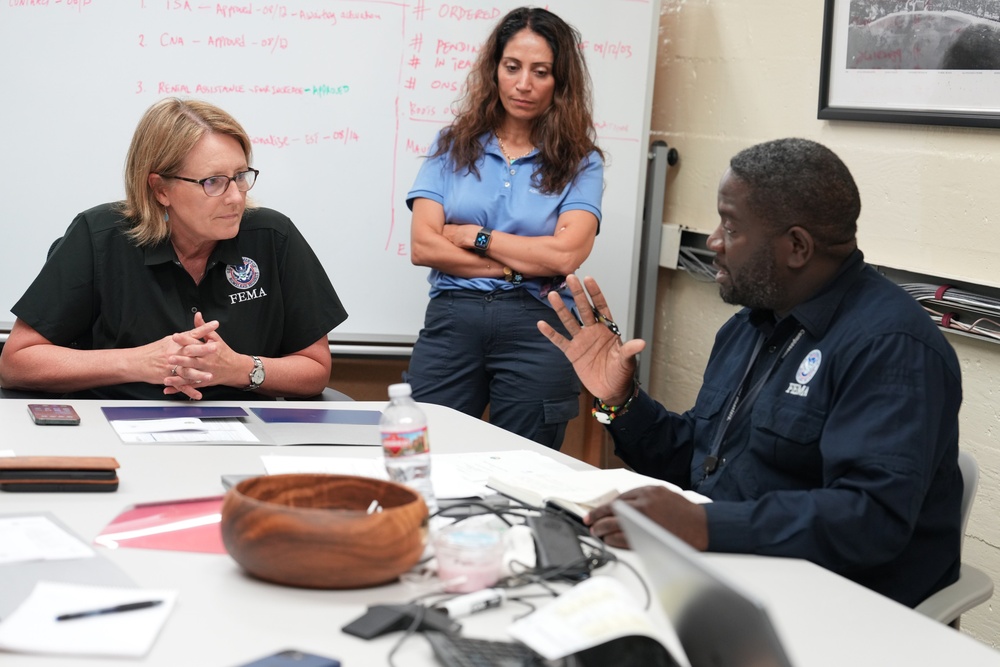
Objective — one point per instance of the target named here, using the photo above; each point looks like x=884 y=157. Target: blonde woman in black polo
x=182 y=290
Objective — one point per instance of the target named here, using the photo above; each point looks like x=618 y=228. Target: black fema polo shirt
x=98 y=290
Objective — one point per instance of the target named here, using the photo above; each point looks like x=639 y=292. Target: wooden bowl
x=314 y=531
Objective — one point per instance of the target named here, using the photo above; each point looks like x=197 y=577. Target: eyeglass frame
x=229 y=180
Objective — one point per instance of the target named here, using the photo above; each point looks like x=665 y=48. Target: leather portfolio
x=58 y=473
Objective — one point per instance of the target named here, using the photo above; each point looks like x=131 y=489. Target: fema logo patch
x=243 y=276
x=807 y=369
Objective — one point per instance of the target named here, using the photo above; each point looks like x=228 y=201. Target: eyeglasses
x=216 y=186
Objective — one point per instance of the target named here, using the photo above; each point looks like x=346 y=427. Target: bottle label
x=405 y=443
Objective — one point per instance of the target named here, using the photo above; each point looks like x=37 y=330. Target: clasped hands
x=606 y=366
x=196 y=358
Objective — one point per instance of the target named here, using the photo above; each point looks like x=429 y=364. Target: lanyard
x=744 y=403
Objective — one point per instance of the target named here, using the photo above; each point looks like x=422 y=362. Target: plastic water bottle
x=405 y=445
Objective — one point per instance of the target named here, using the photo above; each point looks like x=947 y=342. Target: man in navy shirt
x=826 y=427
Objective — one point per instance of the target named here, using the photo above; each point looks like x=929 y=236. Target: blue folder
x=172 y=412
x=317 y=416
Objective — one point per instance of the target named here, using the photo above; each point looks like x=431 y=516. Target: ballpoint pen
x=131 y=606
x=607 y=322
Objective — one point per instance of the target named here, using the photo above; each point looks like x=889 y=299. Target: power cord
x=595 y=555
x=697 y=262
x=954 y=309
x=418 y=618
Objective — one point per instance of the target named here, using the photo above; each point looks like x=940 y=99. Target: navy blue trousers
x=478 y=349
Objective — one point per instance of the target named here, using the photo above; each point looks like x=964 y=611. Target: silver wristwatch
x=256 y=375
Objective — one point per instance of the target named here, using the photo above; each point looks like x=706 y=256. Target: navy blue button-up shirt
x=846 y=457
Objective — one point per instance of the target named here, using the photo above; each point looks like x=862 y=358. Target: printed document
x=452 y=475
x=184 y=429
x=33 y=538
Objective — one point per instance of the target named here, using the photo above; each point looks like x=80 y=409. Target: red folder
x=174 y=525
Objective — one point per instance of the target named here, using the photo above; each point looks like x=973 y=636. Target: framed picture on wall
x=933 y=62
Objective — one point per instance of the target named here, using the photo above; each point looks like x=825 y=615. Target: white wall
x=731 y=73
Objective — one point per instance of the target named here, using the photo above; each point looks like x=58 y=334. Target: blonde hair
x=163 y=138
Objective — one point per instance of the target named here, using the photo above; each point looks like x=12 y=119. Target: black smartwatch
x=482 y=242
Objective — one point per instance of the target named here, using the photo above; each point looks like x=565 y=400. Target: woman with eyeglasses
x=182 y=290
x=506 y=205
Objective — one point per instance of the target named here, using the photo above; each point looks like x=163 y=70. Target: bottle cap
x=399 y=390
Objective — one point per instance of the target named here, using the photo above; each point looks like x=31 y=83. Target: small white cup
x=469 y=557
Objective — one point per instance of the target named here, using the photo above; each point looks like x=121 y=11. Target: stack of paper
x=452 y=475
x=180 y=423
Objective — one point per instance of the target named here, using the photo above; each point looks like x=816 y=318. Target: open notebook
x=578 y=491
x=717 y=624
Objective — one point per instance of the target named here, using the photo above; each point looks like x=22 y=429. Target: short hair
x=800 y=182
x=564 y=133
x=165 y=135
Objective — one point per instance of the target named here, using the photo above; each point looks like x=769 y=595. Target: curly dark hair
x=564 y=133
x=800 y=182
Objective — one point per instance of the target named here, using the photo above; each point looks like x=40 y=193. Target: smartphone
x=293 y=658
x=49 y=414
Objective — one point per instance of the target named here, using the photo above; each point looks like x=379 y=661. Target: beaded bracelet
x=512 y=276
x=607 y=413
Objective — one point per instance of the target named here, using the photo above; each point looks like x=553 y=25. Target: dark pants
x=478 y=349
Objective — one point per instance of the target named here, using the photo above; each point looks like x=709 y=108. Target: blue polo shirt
x=848 y=455
x=504 y=199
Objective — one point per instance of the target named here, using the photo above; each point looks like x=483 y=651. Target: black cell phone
x=293 y=658
x=49 y=414
x=557 y=548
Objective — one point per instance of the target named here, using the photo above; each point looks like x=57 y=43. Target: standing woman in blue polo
x=506 y=205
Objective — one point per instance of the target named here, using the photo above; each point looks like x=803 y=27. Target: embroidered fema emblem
x=243 y=276
x=808 y=367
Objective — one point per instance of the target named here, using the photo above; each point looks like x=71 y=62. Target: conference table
x=224 y=618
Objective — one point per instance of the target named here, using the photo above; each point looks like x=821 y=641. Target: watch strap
x=256 y=375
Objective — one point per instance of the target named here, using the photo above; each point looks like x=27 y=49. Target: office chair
x=974 y=586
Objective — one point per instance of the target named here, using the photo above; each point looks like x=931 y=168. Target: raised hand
x=604 y=364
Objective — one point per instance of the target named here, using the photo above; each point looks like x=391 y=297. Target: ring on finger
x=173 y=371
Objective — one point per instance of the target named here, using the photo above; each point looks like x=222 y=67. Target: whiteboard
x=341 y=99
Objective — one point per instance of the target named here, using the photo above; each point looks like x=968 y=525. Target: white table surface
x=224 y=618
